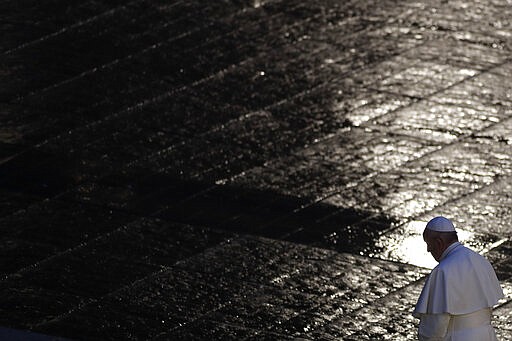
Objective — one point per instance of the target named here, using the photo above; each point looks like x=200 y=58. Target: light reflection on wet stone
x=484 y=211
x=406 y=244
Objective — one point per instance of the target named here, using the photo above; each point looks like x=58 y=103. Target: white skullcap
x=440 y=224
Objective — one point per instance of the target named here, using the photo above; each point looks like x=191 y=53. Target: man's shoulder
x=461 y=255
x=456 y=256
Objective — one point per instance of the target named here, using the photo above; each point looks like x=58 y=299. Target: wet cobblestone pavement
x=246 y=169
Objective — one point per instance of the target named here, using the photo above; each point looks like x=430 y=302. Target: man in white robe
x=458 y=296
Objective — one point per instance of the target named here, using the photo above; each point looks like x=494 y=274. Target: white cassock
x=458 y=297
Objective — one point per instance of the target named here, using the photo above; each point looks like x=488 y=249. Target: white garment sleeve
x=433 y=327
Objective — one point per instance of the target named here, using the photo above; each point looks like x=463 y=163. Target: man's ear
x=439 y=242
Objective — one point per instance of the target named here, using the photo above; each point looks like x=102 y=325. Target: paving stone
x=117 y=154
x=474 y=27
x=262 y=335
x=405 y=244
x=341 y=281
x=37 y=20
x=422 y=80
x=164 y=302
x=165 y=286
x=265 y=308
x=238 y=260
x=37 y=173
x=500 y=259
x=48 y=227
x=200 y=330
x=499 y=132
x=452 y=172
x=463 y=54
x=310 y=219
x=114 y=41
x=17 y=254
x=390 y=318
x=11 y=202
x=140 y=40
x=137 y=191
x=338 y=161
x=500 y=253
x=87 y=273
x=9 y=145
x=395 y=309
x=293 y=151
x=483 y=211
x=61 y=125
x=343 y=237
x=429 y=120
x=156 y=242
x=107 y=323
x=501 y=319
x=231 y=208
x=123 y=153
x=481 y=93
x=371 y=105
x=25 y=305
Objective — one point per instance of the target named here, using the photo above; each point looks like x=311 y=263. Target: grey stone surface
x=246 y=169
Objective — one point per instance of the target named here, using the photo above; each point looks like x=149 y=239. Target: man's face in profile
x=434 y=244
